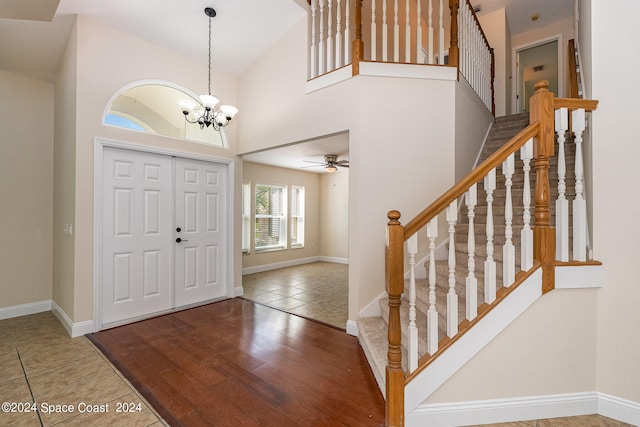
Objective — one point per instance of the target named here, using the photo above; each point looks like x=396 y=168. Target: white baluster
x=321 y=52
x=452 y=297
x=412 y=350
x=347 y=33
x=419 y=52
x=508 y=250
x=430 y=31
x=441 y=36
x=579 y=204
x=385 y=32
x=562 y=204
x=373 y=29
x=526 y=234
x=338 y=63
x=396 y=33
x=330 y=66
x=432 y=314
x=490 y=264
x=407 y=34
x=314 y=53
x=471 y=281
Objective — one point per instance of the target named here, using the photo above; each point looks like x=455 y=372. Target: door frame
x=514 y=67
x=98 y=151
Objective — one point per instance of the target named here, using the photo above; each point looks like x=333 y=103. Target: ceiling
x=241 y=33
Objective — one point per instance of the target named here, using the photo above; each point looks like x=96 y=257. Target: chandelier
x=208 y=113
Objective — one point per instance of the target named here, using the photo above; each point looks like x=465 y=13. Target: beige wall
x=334 y=214
x=26 y=189
x=616 y=206
x=263 y=174
x=106 y=61
x=549 y=349
x=494 y=25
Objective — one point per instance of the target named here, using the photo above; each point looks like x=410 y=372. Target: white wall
x=473 y=120
x=26 y=189
x=264 y=174
x=615 y=58
x=392 y=165
x=334 y=214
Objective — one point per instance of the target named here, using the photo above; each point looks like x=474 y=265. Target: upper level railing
x=422 y=32
x=540 y=245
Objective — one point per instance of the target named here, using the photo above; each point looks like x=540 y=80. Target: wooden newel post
x=454 y=53
x=357 y=48
x=544 y=237
x=394 y=286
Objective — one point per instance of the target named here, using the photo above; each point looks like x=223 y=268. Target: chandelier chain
x=209 y=56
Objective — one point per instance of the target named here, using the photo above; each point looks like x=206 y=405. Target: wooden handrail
x=573 y=104
x=476 y=175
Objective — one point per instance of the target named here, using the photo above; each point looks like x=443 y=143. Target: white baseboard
x=337 y=260
x=503 y=410
x=523 y=409
x=352 y=328
x=293 y=262
x=25 y=309
x=619 y=409
x=74 y=329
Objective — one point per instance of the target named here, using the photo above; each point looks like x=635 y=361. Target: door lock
x=178 y=240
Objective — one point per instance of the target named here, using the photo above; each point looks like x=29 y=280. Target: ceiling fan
x=331 y=163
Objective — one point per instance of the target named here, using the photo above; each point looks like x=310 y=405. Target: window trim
x=284 y=235
x=300 y=216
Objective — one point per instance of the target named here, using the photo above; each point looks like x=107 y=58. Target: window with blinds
x=270 y=217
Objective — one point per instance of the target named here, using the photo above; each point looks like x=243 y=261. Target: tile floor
x=41 y=364
x=317 y=290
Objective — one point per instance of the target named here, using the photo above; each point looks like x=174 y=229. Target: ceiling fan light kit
x=206 y=114
x=331 y=163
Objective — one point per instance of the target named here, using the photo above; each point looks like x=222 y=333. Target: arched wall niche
x=155 y=106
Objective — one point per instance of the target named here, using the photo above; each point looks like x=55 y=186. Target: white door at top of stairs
x=148 y=266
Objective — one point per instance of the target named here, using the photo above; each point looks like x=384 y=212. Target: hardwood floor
x=237 y=363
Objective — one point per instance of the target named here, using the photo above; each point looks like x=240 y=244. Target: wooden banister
x=544 y=236
x=357 y=50
x=454 y=50
x=476 y=175
x=395 y=378
x=573 y=70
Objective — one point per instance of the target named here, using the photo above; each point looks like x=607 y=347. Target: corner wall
x=26 y=189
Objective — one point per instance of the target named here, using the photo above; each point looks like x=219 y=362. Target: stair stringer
x=471 y=343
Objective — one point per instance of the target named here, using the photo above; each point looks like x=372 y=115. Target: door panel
x=136 y=233
x=200 y=212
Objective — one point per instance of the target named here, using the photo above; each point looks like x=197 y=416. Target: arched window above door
x=156 y=107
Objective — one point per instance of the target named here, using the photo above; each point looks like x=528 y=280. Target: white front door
x=136 y=233
x=200 y=231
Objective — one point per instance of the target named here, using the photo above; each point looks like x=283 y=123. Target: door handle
x=178 y=240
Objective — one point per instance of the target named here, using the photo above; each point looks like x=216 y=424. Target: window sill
x=270 y=249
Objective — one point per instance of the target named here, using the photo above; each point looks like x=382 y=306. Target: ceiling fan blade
x=342 y=166
x=313 y=166
x=343 y=162
x=311 y=161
